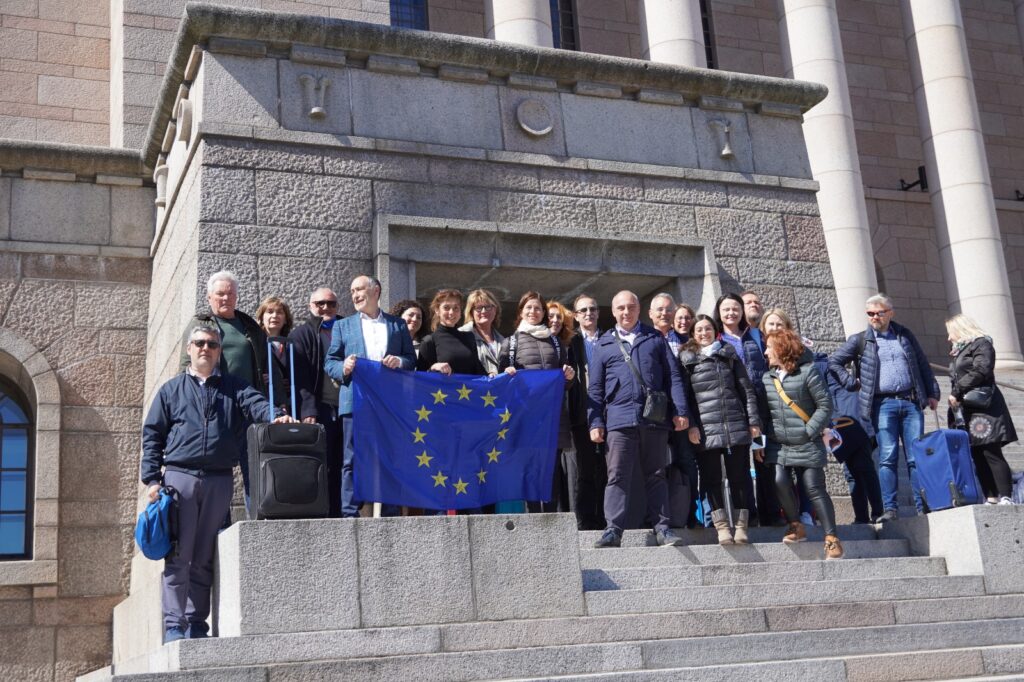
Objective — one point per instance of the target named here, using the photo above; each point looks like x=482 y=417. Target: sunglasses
x=591 y=309
x=878 y=313
x=203 y=343
x=483 y=308
x=325 y=304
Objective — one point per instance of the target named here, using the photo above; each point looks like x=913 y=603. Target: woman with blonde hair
x=483 y=315
x=976 y=397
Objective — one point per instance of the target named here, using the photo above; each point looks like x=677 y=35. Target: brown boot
x=742 y=516
x=721 y=521
x=833 y=548
x=796 y=533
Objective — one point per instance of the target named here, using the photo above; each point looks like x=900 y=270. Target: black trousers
x=993 y=471
x=591 y=479
x=865 y=489
x=329 y=417
x=737 y=469
x=813 y=480
x=563 y=486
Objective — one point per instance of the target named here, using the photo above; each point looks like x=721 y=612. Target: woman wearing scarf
x=483 y=315
x=533 y=346
x=973 y=384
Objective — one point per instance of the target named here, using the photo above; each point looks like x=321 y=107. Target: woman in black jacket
x=991 y=427
x=727 y=419
x=448 y=350
x=275 y=319
x=533 y=346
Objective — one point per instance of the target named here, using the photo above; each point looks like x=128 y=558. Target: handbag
x=655 y=402
x=979 y=398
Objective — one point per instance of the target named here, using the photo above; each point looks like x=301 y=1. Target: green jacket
x=791 y=442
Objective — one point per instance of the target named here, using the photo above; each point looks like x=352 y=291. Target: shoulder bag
x=655 y=402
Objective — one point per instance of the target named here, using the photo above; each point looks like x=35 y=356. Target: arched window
x=16 y=432
x=409 y=14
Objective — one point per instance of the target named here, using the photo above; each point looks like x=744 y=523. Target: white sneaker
x=1005 y=500
x=991 y=500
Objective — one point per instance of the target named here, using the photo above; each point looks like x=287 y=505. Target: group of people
x=704 y=394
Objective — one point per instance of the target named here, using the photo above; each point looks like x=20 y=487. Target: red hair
x=788 y=348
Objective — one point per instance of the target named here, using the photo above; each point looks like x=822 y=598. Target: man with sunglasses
x=317 y=391
x=591 y=473
x=193 y=435
x=896 y=384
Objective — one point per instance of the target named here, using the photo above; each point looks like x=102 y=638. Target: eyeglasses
x=325 y=304
x=589 y=309
x=878 y=313
x=203 y=343
x=486 y=308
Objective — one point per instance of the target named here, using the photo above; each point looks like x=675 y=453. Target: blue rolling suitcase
x=945 y=470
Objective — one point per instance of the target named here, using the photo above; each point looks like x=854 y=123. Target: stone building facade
x=432 y=159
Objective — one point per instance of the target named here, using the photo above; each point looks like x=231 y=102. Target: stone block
x=325 y=202
x=35 y=572
x=773 y=200
x=539 y=107
x=805 y=238
x=784 y=273
x=627 y=217
x=227 y=195
x=294 y=278
x=349 y=246
x=425 y=110
x=208 y=263
x=709 y=129
x=93 y=561
x=591 y=184
x=73 y=50
x=817 y=314
x=930 y=665
x=314 y=98
x=110 y=306
x=148 y=44
x=261 y=155
x=482 y=174
x=548 y=585
x=270 y=241
x=778 y=146
x=378 y=166
x=5 y=208
x=829 y=616
x=287 y=576
x=621 y=130
x=31 y=313
x=238 y=90
x=1003 y=659
x=542 y=210
x=679 y=191
x=427 y=200
x=27 y=653
x=73 y=93
x=742 y=233
x=132 y=216
x=414 y=571
x=43 y=211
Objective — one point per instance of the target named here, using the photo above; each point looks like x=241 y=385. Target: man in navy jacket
x=616 y=407
x=370 y=333
x=195 y=432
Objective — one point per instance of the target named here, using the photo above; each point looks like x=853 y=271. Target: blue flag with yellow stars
x=423 y=439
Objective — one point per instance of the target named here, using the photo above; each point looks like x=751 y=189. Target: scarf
x=958 y=346
x=537 y=331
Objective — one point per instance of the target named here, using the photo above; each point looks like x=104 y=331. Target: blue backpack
x=154 y=533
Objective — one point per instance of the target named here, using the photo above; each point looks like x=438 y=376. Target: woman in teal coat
x=800 y=408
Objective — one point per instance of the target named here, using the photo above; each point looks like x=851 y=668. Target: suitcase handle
x=285 y=341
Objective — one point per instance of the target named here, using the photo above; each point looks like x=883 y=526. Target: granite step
x=731 y=574
x=780 y=594
x=696 y=655
x=640 y=557
x=708 y=536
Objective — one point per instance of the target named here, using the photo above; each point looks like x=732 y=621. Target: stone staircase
x=765 y=611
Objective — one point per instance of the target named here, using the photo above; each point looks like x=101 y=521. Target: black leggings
x=993 y=471
x=814 y=485
x=737 y=468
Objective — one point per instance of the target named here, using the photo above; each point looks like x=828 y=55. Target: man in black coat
x=591 y=474
x=318 y=392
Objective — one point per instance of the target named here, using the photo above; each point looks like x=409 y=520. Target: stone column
x=812 y=51
x=527 y=22
x=966 y=226
x=672 y=32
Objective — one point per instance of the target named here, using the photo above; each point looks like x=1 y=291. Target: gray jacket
x=791 y=441
x=725 y=399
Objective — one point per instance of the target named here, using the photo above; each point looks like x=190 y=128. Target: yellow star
x=439 y=479
x=489 y=399
x=464 y=392
x=418 y=436
x=505 y=416
x=439 y=396
x=492 y=456
x=482 y=475
x=423 y=414
x=460 y=487
x=424 y=459
x=501 y=434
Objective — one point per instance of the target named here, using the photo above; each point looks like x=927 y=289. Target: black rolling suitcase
x=287 y=462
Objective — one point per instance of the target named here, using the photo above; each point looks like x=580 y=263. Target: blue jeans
x=896 y=420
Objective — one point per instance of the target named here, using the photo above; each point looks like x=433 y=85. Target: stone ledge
x=201 y=22
x=29 y=572
x=80 y=160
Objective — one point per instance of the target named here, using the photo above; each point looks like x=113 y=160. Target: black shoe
x=198 y=631
x=668 y=538
x=609 y=539
x=888 y=515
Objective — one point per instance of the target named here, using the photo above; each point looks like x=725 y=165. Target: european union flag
x=426 y=440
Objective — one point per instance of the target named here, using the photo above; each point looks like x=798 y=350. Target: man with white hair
x=895 y=384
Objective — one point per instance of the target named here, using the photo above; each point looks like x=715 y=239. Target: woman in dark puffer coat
x=532 y=346
x=990 y=428
x=727 y=419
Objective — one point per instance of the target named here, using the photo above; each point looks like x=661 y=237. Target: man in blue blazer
x=373 y=334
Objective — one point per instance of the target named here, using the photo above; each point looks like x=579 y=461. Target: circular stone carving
x=534 y=117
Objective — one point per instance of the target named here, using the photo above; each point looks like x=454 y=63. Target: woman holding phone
x=727 y=421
